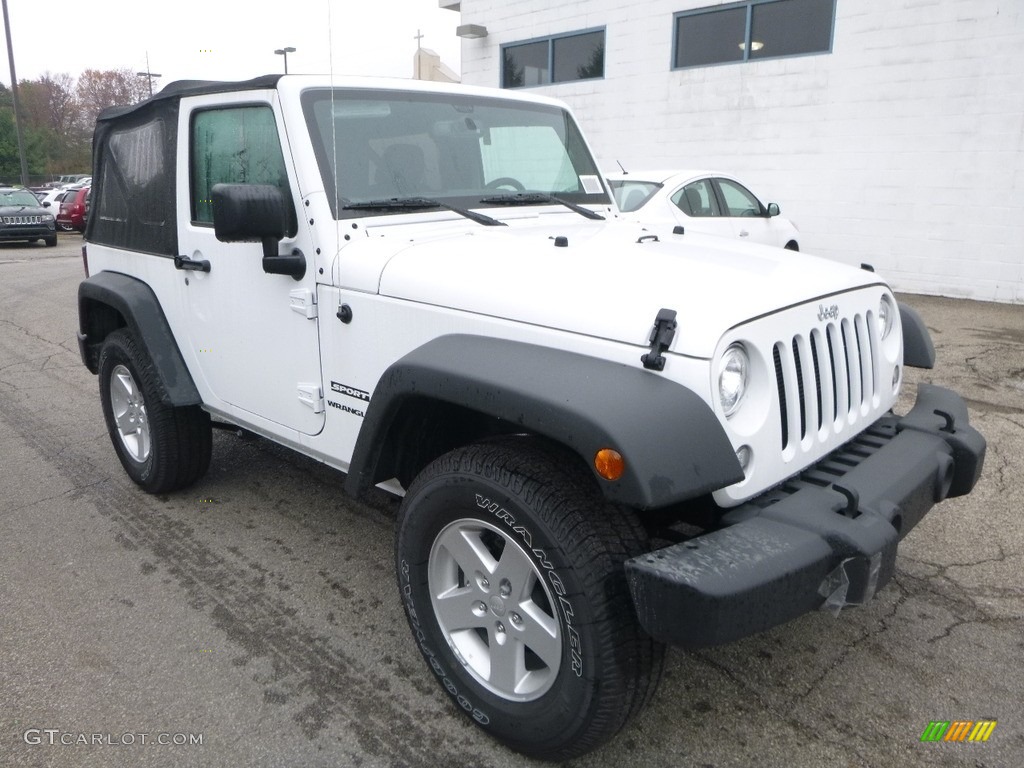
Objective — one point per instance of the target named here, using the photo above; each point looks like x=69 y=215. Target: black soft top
x=134 y=151
x=180 y=88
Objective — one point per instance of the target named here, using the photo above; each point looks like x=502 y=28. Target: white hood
x=605 y=282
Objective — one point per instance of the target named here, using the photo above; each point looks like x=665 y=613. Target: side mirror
x=773 y=209
x=246 y=213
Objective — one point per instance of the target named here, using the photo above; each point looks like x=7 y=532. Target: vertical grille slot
x=783 y=409
x=801 y=394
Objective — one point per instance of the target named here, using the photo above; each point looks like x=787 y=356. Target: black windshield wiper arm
x=418 y=203
x=533 y=198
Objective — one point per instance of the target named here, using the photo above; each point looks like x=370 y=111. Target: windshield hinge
x=662 y=333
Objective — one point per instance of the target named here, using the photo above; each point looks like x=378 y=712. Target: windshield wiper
x=419 y=203
x=534 y=198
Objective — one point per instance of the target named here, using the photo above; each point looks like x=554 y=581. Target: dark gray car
x=23 y=219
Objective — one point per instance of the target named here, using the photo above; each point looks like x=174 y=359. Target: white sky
x=225 y=39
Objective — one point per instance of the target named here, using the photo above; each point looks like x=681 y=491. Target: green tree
x=35 y=143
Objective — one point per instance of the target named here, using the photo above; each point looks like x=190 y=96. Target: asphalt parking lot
x=257 y=612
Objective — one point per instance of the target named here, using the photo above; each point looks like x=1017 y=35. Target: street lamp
x=14 y=95
x=284 y=52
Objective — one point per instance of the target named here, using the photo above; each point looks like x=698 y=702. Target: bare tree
x=98 y=90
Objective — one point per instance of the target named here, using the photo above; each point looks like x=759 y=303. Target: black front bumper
x=12 y=234
x=825 y=539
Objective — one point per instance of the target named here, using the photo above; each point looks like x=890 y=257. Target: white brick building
x=902 y=145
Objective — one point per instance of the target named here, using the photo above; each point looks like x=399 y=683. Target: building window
x=756 y=29
x=560 y=59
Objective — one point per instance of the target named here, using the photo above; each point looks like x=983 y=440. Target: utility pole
x=147 y=74
x=14 y=94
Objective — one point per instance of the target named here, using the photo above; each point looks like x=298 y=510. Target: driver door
x=254 y=339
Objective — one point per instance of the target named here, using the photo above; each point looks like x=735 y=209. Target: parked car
x=71 y=217
x=23 y=219
x=51 y=199
x=702 y=201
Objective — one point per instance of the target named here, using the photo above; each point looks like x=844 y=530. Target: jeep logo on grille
x=828 y=313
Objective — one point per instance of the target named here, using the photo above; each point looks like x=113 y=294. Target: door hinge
x=313 y=396
x=303 y=301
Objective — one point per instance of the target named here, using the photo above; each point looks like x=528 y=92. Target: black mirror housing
x=246 y=213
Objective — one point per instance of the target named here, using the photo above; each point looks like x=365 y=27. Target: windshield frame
x=577 y=159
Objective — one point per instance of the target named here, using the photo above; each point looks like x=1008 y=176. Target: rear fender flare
x=137 y=307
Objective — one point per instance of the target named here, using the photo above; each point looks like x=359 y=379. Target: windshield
x=459 y=149
x=18 y=197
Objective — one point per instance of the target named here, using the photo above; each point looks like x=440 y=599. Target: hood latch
x=662 y=333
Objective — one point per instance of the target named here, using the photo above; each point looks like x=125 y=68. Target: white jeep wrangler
x=608 y=437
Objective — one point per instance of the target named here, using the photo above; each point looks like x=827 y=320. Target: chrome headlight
x=886 y=317
x=733 y=370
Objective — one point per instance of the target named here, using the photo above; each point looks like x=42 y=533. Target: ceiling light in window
x=756 y=45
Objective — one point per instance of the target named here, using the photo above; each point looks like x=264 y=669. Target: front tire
x=510 y=565
x=162 y=447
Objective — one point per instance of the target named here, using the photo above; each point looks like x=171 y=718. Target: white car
x=52 y=198
x=702 y=201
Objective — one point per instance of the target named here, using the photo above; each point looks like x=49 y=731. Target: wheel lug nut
x=501 y=627
x=485 y=583
x=516 y=619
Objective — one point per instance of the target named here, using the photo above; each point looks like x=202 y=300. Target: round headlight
x=886 y=316
x=732 y=378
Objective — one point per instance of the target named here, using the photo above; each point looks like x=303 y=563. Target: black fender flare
x=673 y=445
x=918 y=349
x=140 y=309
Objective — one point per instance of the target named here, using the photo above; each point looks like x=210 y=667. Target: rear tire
x=510 y=565
x=162 y=447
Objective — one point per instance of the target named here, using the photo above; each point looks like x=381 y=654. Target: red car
x=71 y=217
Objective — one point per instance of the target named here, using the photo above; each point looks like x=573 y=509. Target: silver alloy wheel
x=495 y=609
x=129 y=411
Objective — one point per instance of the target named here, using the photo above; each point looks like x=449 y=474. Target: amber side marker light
x=609 y=463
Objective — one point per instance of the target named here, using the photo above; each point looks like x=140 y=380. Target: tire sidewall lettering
x=566 y=609
x=432 y=661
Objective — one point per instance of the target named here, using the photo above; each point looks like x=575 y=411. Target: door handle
x=184 y=262
x=744 y=233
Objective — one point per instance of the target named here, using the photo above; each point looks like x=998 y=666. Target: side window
x=697 y=199
x=237 y=145
x=739 y=200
